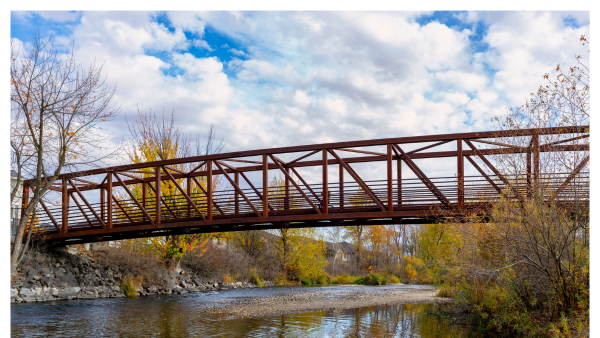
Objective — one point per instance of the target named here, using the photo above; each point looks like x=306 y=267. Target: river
x=177 y=316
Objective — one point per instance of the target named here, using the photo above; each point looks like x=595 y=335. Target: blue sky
x=271 y=79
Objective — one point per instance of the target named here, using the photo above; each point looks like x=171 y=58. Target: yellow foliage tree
x=157 y=140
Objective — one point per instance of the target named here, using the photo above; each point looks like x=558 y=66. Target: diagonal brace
x=237 y=188
x=87 y=203
x=184 y=194
x=133 y=198
x=285 y=173
x=358 y=180
x=411 y=164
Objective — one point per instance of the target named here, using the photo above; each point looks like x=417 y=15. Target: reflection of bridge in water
x=128 y=207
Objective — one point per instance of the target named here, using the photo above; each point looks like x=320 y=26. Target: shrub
x=394 y=280
x=217 y=262
x=322 y=279
x=227 y=279
x=344 y=279
x=130 y=285
x=281 y=279
x=372 y=279
x=257 y=280
x=447 y=291
x=147 y=267
x=305 y=280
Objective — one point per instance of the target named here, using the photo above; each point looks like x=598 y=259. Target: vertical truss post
x=265 y=172
x=157 y=195
x=390 y=190
x=286 y=198
x=109 y=202
x=536 y=160
x=65 y=205
x=325 y=184
x=460 y=170
x=144 y=197
x=529 y=169
x=102 y=204
x=209 y=190
x=399 y=177
x=341 y=185
x=236 y=178
x=189 y=192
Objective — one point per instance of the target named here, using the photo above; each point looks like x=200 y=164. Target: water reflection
x=173 y=316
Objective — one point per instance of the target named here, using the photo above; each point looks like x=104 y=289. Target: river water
x=174 y=316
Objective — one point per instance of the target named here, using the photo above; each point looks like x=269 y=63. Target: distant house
x=343 y=251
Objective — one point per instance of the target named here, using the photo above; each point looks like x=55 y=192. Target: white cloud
x=313 y=77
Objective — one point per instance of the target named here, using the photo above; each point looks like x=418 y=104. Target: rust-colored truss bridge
x=204 y=194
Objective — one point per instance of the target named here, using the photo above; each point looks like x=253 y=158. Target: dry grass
x=220 y=262
x=148 y=268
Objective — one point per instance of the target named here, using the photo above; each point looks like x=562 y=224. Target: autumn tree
x=156 y=138
x=58 y=107
x=301 y=251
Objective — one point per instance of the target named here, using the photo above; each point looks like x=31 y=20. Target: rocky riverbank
x=60 y=275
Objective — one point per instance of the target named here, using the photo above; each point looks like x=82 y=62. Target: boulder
x=53 y=291
x=27 y=295
x=59 y=272
x=68 y=293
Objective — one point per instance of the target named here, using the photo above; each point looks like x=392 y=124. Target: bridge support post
x=286 y=199
x=325 y=184
x=209 y=190
x=460 y=170
x=536 y=161
x=529 y=170
x=188 y=184
x=399 y=177
x=157 y=195
x=109 y=202
x=341 y=186
x=265 y=172
x=65 y=206
x=144 y=196
x=237 y=195
x=390 y=190
x=102 y=205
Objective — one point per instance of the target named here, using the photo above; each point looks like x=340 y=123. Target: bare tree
x=57 y=110
x=537 y=241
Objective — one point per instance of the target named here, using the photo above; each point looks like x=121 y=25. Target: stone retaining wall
x=65 y=276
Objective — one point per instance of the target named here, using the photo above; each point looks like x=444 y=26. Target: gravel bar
x=317 y=301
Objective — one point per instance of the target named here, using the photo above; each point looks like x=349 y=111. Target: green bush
x=130 y=285
x=371 y=279
x=257 y=280
x=322 y=279
x=344 y=279
x=305 y=280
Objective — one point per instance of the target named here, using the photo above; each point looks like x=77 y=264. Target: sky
x=273 y=79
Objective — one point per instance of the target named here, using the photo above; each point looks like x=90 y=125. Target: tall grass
x=130 y=285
